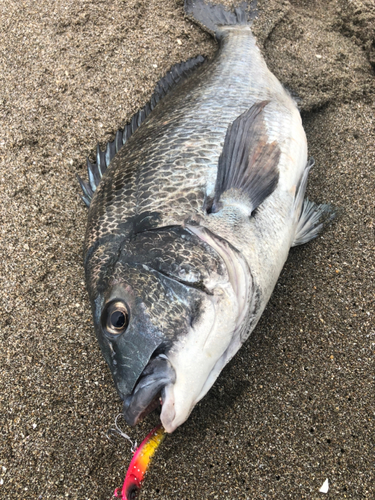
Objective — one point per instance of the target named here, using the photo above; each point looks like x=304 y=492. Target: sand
x=296 y=405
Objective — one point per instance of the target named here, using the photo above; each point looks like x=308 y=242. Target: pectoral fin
x=248 y=165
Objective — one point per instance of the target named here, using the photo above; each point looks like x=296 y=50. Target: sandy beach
x=296 y=405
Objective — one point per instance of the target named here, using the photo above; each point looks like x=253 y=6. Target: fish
x=193 y=208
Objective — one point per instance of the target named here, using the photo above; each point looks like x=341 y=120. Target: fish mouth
x=145 y=396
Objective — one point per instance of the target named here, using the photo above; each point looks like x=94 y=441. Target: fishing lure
x=139 y=464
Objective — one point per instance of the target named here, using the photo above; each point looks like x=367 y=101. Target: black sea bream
x=189 y=227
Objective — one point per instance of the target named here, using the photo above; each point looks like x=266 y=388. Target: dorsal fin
x=248 y=163
x=175 y=75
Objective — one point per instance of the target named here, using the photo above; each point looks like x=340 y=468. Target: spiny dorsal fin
x=248 y=163
x=177 y=73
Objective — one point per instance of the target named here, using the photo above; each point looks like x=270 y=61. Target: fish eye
x=115 y=318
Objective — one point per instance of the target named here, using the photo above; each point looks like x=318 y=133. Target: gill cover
x=152 y=286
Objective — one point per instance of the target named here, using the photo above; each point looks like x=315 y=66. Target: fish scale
x=183 y=138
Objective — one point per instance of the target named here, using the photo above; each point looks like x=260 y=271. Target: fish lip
x=132 y=416
x=145 y=396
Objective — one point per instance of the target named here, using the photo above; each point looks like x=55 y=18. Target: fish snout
x=144 y=398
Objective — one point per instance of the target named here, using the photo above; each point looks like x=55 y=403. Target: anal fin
x=312 y=216
x=311 y=221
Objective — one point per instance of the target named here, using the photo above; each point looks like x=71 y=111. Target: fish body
x=190 y=226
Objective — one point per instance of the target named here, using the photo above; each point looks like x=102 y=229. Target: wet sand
x=296 y=405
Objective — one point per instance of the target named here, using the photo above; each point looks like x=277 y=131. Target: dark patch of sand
x=296 y=405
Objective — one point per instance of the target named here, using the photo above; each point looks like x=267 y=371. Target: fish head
x=166 y=315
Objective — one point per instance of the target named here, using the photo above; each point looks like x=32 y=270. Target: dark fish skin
x=191 y=224
x=160 y=274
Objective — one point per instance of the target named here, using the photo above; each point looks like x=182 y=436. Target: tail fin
x=211 y=16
